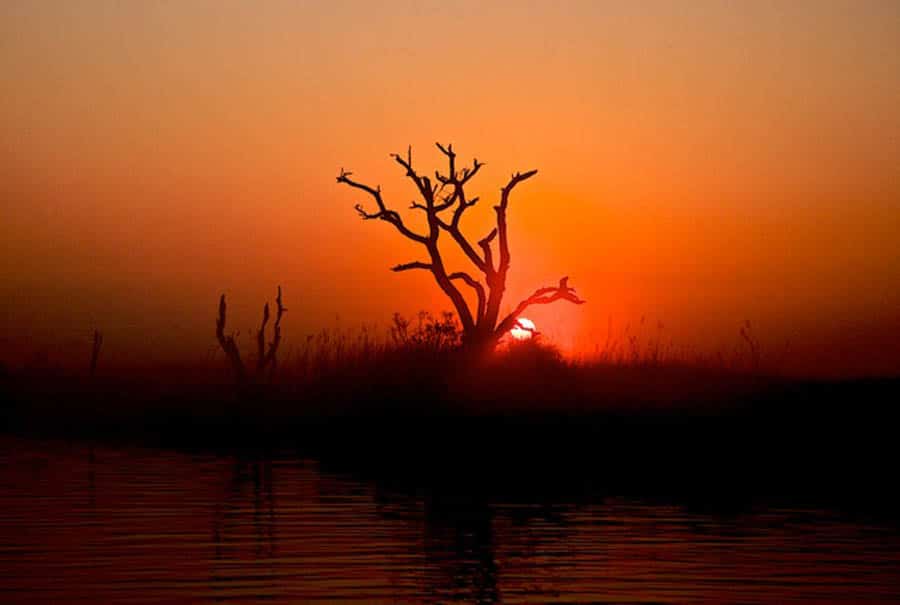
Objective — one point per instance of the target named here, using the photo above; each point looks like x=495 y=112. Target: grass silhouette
x=643 y=416
x=415 y=368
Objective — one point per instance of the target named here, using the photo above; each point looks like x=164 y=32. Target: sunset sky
x=701 y=164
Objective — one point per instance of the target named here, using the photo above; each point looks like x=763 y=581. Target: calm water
x=102 y=524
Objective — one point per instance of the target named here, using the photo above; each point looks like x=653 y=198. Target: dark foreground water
x=103 y=524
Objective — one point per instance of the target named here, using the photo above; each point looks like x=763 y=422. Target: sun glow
x=523 y=330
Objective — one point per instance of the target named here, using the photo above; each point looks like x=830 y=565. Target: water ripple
x=83 y=523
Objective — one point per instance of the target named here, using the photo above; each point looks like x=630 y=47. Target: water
x=103 y=524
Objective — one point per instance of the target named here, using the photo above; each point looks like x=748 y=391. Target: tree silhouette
x=266 y=357
x=444 y=202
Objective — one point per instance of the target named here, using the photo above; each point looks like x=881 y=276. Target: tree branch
x=451 y=158
x=475 y=285
x=501 y=215
x=485 y=244
x=422 y=183
x=459 y=238
x=428 y=193
x=229 y=346
x=458 y=197
x=270 y=357
x=383 y=212
x=412 y=265
x=542 y=296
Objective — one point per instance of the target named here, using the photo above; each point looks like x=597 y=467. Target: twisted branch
x=541 y=296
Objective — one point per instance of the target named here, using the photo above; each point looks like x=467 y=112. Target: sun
x=523 y=330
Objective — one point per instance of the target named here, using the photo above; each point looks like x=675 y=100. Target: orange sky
x=700 y=163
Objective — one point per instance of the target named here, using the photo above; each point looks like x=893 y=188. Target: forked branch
x=383 y=213
x=422 y=183
x=266 y=356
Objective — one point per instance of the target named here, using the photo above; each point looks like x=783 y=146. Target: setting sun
x=523 y=330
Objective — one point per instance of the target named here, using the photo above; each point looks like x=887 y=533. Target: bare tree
x=444 y=202
x=266 y=356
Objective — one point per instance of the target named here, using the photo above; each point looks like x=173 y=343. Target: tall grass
x=643 y=345
x=413 y=366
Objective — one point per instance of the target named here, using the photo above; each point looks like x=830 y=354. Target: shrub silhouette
x=429 y=333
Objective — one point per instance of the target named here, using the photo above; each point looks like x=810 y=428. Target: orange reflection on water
x=96 y=524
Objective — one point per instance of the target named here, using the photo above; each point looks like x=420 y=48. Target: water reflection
x=101 y=524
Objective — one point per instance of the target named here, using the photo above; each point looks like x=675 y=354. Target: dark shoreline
x=788 y=442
